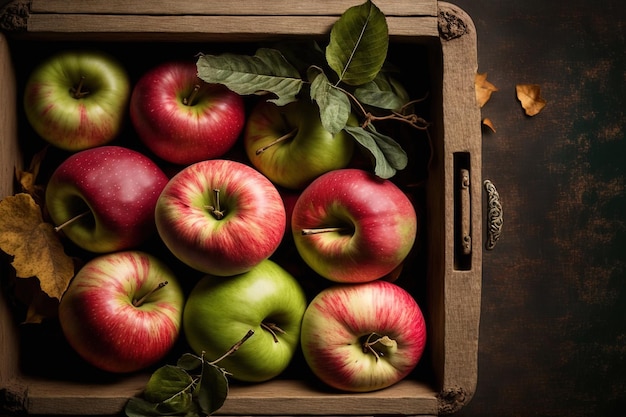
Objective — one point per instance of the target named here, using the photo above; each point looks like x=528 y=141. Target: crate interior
x=46 y=362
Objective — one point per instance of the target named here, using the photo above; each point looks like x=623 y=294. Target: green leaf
x=334 y=104
x=213 y=388
x=384 y=92
x=266 y=72
x=189 y=362
x=167 y=382
x=388 y=156
x=138 y=407
x=358 y=44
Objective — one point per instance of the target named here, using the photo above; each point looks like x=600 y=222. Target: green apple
x=290 y=146
x=77 y=99
x=220 y=311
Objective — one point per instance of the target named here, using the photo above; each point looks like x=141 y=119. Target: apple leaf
x=267 y=72
x=358 y=44
x=213 y=388
x=383 y=92
x=388 y=155
x=36 y=248
x=334 y=104
x=169 y=391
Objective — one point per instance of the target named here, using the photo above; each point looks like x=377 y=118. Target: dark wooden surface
x=553 y=323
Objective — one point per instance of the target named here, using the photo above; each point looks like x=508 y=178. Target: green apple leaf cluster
x=351 y=75
x=192 y=387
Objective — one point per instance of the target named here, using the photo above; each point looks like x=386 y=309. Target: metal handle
x=494 y=215
x=466 y=236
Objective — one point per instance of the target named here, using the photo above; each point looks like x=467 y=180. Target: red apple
x=181 y=118
x=122 y=312
x=103 y=198
x=351 y=226
x=220 y=216
x=363 y=337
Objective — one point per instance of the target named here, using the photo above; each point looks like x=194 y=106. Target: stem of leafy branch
x=411 y=119
x=234 y=347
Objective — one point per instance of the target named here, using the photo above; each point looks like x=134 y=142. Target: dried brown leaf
x=530 y=97
x=487 y=122
x=28 y=178
x=483 y=89
x=35 y=246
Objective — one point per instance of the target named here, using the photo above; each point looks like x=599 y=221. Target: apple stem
x=189 y=101
x=139 y=302
x=77 y=92
x=72 y=220
x=306 y=232
x=273 y=329
x=234 y=347
x=368 y=345
x=216 y=210
x=277 y=141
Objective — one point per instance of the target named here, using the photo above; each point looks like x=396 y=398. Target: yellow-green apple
x=363 y=337
x=221 y=217
x=351 y=226
x=103 y=198
x=122 y=312
x=181 y=118
x=77 y=99
x=290 y=145
x=268 y=300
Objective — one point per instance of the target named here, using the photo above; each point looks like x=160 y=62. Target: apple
x=103 y=198
x=290 y=145
x=220 y=217
x=182 y=119
x=122 y=312
x=351 y=226
x=363 y=337
x=77 y=99
x=219 y=311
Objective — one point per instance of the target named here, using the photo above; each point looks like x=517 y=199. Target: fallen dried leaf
x=27 y=179
x=487 y=122
x=483 y=89
x=530 y=97
x=36 y=248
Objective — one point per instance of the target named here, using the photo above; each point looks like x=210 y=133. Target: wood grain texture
x=229 y=7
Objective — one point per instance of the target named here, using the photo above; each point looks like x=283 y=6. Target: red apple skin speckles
x=103 y=326
x=118 y=185
x=340 y=319
x=182 y=131
x=379 y=219
x=250 y=231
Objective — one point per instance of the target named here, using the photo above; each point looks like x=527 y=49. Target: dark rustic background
x=553 y=323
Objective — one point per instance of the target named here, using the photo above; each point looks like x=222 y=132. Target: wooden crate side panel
x=221 y=7
x=9 y=157
x=462 y=286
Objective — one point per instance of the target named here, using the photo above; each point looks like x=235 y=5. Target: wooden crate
x=453 y=282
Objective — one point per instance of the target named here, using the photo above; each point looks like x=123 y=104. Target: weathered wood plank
x=213 y=26
x=221 y=7
x=289 y=397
